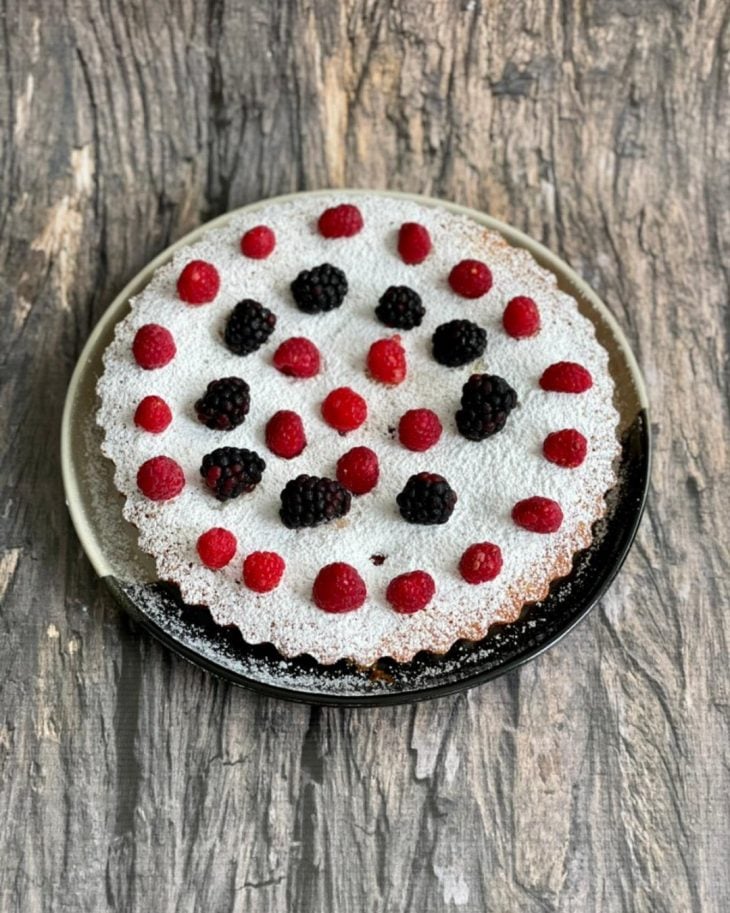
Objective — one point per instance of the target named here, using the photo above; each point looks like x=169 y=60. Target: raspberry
x=566 y=377
x=285 y=434
x=262 y=571
x=297 y=357
x=427 y=499
x=411 y=592
x=521 y=317
x=414 y=243
x=470 y=279
x=539 y=515
x=567 y=448
x=309 y=501
x=216 y=547
x=258 y=242
x=248 y=327
x=481 y=562
x=198 y=283
x=225 y=404
x=486 y=402
x=458 y=342
x=231 y=471
x=344 y=410
x=339 y=588
x=419 y=429
x=322 y=288
x=153 y=346
x=153 y=414
x=358 y=470
x=160 y=478
x=386 y=361
x=342 y=221
x=400 y=307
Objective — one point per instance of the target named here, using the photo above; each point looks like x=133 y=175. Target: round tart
x=513 y=447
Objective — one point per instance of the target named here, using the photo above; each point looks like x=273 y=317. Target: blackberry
x=486 y=401
x=231 y=471
x=458 y=342
x=400 y=307
x=427 y=498
x=309 y=501
x=225 y=404
x=322 y=288
x=248 y=327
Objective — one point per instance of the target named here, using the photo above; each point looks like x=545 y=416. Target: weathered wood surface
x=597 y=778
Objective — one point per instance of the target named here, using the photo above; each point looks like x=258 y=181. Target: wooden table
x=596 y=778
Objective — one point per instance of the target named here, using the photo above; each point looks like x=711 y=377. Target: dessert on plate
x=358 y=426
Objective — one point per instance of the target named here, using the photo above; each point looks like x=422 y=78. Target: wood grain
x=597 y=778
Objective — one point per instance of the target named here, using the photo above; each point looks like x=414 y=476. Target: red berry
x=153 y=346
x=539 y=515
x=339 y=588
x=160 y=478
x=344 y=409
x=358 y=470
x=258 y=242
x=297 y=357
x=409 y=593
x=342 y=221
x=153 y=414
x=198 y=282
x=216 y=547
x=262 y=571
x=419 y=429
x=521 y=317
x=481 y=562
x=567 y=448
x=566 y=377
x=470 y=278
x=414 y=243
x=285 y=434
x=387 y=361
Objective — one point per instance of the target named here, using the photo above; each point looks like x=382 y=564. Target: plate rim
x=85 y=532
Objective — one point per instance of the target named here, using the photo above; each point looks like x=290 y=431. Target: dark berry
x=414 y=243
x=225 y=404
x=386 y=361
x=216 y=547
x=285 y=434
x=198 y=282
x=231 y=471
x=486 y=402
x=538 y=515
x=427 y=498
x=153 y=346
x=262 y=571
x=248 y=327
x=258 y=242
x=419 y=429
x=400 y=307
x=411 y=592
x=342 y=221
x=339 y=588
x=481 y=562
x=458 y=342
x=153 y=414
x=470 y=279
x=344 y=410
x=521 y=317
x=297 y=357
x=358 y=470
x=565 y=448
x=160 y=478
x=322 y=288
x=566 y=377
x=309 y=501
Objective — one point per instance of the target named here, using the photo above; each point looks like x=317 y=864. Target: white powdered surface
x=488 y=476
